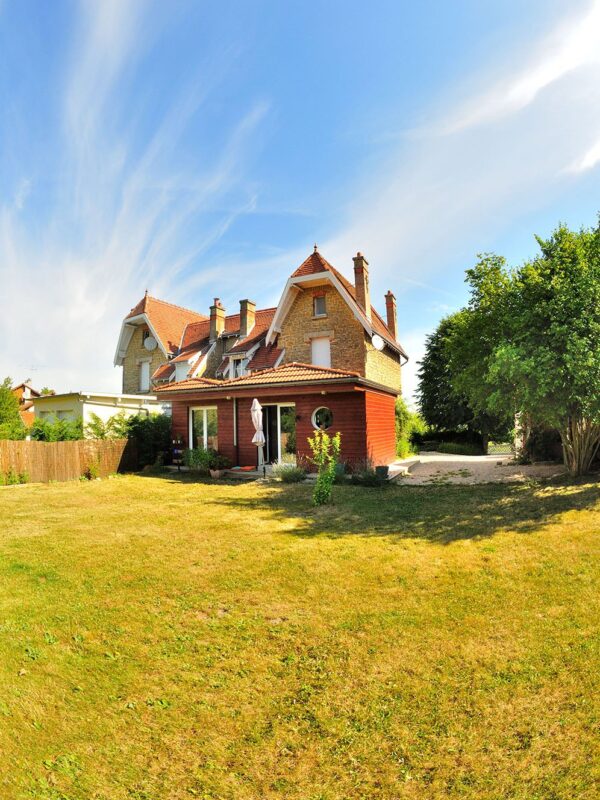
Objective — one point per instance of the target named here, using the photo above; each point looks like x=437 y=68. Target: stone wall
x=340 y=324
x=383 y=366
x=136 y=353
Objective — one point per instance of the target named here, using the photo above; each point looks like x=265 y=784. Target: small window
x=322 y=418
x=319 y=306
x=238 y=367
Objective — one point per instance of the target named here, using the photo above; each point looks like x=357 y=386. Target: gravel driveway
x=436 y=468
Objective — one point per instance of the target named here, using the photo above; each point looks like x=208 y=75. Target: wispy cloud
x=117 y=218
x=573 y=44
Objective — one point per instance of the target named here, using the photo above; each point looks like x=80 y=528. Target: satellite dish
x=377 y=342
x=150 y=343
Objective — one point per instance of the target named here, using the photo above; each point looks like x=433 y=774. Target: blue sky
x=200 y=149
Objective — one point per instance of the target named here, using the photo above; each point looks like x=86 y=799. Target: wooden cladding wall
x=63 y=461
x=381 y=427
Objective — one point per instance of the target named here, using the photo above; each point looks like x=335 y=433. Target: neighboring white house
x=81 y=405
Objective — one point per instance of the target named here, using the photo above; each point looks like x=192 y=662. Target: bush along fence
x=41 y=462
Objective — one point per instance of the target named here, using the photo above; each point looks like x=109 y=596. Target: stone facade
x=136 y=353
x=340 y=324
x=382 y=366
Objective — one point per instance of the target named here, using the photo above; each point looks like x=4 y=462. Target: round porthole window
x=322 y=418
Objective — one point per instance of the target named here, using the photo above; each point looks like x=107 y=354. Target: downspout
x=235 y=431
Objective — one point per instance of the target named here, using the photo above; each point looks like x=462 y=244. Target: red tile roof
x=265 y=357
x=164 y=372
x=168 y=320
x=197 y=332
x=293 y=373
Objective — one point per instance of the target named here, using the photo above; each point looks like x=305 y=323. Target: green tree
x=11 y=425
x=452 y=393
x=548 y=366
x=529 y=341
x=441 y=406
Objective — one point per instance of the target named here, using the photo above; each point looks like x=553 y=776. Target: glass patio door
x=279 y=427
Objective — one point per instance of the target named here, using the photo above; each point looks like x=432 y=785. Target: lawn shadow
x=442 y=514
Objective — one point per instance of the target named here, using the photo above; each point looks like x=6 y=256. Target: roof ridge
x=175 y=305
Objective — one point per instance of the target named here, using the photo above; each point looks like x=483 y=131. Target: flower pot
x=217 y=473
x=382 y=472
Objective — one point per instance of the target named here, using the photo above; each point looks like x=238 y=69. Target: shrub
x=11 y=477
x=56 y=430
x=198 y=459
x=218 y=461
x=11 y=425
x=365 y=474
x=326 y=453
x=404 y=448
x=289 y=473
x=408 y=423
x=92 y=471
x=459 y=449
x=152 y=437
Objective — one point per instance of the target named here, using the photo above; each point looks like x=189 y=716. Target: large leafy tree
x=448 y=377
x=529 y=341
x=440 y=405
x=11 y=425
x=547 y=364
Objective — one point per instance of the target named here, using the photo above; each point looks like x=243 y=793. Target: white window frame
x=242 y=361
x=191 y=424
x=323 y=313
x=313 y=418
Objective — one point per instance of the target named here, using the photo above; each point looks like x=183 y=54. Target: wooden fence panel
x=63 y=461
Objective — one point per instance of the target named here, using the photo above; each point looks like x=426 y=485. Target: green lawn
x=169 y=639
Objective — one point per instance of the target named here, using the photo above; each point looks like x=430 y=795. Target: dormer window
x=238 y=367
x=319 y=306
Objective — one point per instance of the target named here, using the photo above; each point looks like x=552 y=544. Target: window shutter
x=321 y=351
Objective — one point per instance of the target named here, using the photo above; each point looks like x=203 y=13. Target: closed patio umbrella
x=257 y=420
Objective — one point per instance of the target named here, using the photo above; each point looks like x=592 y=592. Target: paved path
x=436 y=468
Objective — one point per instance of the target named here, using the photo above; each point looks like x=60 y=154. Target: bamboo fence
x=43 y=462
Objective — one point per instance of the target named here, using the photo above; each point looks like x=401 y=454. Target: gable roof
x=168 y=320
x=315 y=263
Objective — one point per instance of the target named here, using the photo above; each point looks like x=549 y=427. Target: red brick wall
x=381 y=428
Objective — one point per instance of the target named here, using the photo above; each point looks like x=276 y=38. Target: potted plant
x=217 y=465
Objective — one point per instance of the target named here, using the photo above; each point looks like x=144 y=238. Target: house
x=26 y=394
x=322 y=358
x=73 y=406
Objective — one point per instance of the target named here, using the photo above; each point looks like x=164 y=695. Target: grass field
x=161 y=638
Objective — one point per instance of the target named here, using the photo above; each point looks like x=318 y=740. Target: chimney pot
x=361 y=283
x=392 y=319
x=247 y=316
x=217 y=320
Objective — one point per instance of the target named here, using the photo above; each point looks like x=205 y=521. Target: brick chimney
x=361 y=283
x=392 y=319
x=247 y=316
x=217 y=320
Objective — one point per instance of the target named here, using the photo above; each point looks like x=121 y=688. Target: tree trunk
x=580 y=441
x=485 y=437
